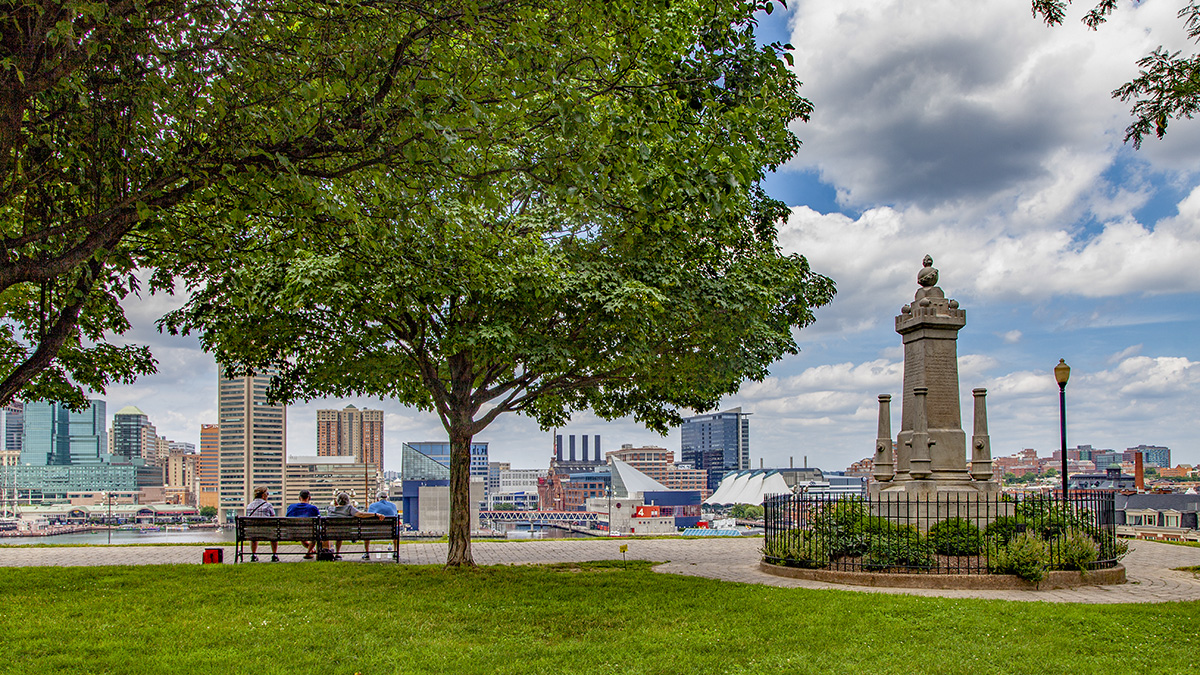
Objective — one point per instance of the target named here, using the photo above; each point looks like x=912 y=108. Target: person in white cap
x=384 y=508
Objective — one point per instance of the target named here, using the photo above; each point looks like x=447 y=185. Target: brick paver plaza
x=1149 y=565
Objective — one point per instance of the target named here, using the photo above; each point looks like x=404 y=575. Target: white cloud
x=1012 y=337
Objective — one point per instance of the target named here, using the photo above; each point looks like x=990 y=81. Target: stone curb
x=975 y=582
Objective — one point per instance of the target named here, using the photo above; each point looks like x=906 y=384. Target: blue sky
x=967 y=131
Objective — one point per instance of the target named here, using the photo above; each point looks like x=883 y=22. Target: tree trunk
x=460 y=497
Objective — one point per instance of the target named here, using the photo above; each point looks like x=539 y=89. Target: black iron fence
x=955 y=533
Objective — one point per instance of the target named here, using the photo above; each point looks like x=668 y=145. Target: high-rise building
x=133 y=437
x=14 y=428
x=46 y=434
x=351 y=432
x=717 y=443
x=88 y=435
x=206 y=479
x=253 y=442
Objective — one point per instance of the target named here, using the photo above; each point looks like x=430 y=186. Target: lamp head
x=1062 y=372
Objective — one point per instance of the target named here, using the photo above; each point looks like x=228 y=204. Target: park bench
x=317 y=529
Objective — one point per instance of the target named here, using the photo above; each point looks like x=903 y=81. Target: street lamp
x=108 y=500
x=1062 y=372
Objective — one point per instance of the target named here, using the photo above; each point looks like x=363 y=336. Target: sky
x=970 y=132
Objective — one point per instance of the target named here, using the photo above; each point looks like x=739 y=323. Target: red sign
x=645 y=512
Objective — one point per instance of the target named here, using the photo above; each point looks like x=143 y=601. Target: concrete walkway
x=1149 y=564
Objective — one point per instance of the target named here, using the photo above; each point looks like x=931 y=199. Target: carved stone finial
x=928 y=276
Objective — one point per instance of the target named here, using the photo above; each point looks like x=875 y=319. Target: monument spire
x=931 y=450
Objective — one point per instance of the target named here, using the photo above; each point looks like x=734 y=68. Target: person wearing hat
x=384 y=508
x=261 y=508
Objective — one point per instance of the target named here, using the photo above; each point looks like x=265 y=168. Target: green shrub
x=1077 y=550
x=796 y=547
x=1026 y=556
x=907 y=548
x=842 y=528
x=1003 y=529
x=807 y=550
x=956 y=536
x=1051 y=520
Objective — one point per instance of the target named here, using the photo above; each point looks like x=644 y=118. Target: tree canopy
x=1168 y=86
x=133 y=129
x=592 y=235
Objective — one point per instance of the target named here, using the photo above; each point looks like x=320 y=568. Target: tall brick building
x=351 y=432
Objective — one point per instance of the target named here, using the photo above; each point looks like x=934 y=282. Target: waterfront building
x=35 y=484
x=324 y=477
x=426 y=504
x=524 y=500
x=351 y=432
x=439 y=451
x=253 y=442
x=659 y=464
x=567 y=458
x=636 y=503
x=493 y=477
x=717 y=443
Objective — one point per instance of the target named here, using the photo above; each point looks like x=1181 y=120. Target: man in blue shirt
x=302 y=509
x=384 y=508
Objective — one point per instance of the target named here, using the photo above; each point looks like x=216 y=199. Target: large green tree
x=594 y=237
x=129 y=129
x=1168 y=86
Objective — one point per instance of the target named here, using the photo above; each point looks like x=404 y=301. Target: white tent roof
x=722 y=488
x=735 y=488
x=772 y=484
x=748 y=487
x=627 y=481
x=752 y=492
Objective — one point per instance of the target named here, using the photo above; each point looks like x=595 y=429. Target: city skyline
x=971 y=133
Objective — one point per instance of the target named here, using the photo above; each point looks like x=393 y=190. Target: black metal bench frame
x=319 y=529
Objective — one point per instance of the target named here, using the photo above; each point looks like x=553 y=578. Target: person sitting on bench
x=303 y=509
x=384 y=508
x=345 y=509
x=261 y=508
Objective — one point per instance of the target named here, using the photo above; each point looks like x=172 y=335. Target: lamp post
x=108 y=501
x=1062 y=372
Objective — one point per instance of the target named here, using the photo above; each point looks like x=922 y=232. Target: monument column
x=929 y=329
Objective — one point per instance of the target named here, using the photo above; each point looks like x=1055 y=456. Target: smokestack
x=760 y=462
x=572 y=447
x=585 y=448
x=596 y=446
x=806 y=461
x=792 y=462
x=558 y=446
x=1139 y=477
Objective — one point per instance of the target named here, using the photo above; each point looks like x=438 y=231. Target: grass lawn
x=594 y=618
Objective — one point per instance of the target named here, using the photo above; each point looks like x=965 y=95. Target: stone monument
x=929 y=455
